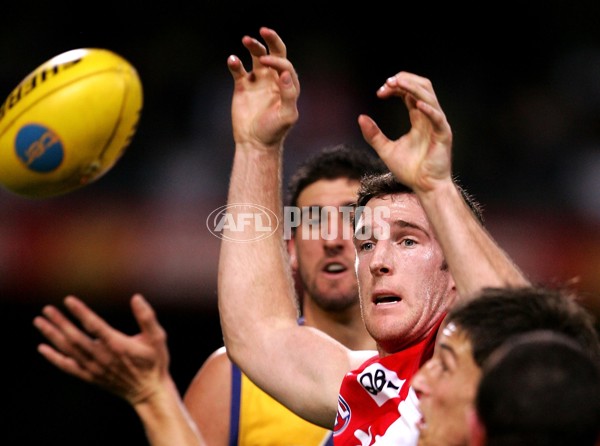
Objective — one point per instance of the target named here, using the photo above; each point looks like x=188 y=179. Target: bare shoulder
x=216 y=368
x=208 y=397
x=218 y=359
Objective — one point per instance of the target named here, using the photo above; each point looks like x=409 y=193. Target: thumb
x=145 y=316
x=289 y=93
x=373 y=134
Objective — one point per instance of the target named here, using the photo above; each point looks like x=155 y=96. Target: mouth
x=385 y=299
x=335 y=268
x=421 y=424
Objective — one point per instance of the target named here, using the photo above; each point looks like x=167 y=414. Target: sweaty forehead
x=398 y=207
x=453 y=338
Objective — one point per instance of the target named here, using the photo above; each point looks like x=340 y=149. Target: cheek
x=349 y=245
x=462 y=393
x=421 y=380
x=448 y=402
x=470 y=388
x=308 y=250
x=363 y=273
x=429 y=260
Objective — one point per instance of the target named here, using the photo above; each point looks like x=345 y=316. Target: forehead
x=452 y=338
x=397 y=207
x=326 y=192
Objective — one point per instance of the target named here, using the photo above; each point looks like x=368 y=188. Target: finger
x=372 y=133
x=75 y=352
x=50 y=332
x=236 y=68
x=254 y=46
x=69 y=340
x=410 y=87
x=290 y=91
x=256 y=49
x=91 y=322
x=419 y=87
x=281 y=65
x=274 y=42
x=96 y=354
x=389 y=88
x=146 y=318
x=64 y=363
x=436 y=117
x=59 y=330
x=404 y=78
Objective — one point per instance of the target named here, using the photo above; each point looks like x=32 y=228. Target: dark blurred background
x=520 y=85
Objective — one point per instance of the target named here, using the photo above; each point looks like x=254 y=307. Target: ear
x=291 y=247
x=451 y=282
x=451 y=289
x=477 y=433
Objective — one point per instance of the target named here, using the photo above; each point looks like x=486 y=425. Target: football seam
x=45 y=95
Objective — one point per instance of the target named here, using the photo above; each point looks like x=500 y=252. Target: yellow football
x=68 y=122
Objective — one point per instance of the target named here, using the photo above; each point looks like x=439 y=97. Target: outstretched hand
x=422 y=156
x=264 y=105
x=132 y=367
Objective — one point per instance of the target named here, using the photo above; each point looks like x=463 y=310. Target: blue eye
x=367 y=246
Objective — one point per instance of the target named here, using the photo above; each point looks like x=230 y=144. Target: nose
x=333 y=246
x=419 y=382
x=338 y=233
x=380 y=260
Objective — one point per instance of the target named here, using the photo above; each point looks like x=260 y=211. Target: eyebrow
x=407 y=224
x=448 y=349
x=351 y=204
x=399 y=224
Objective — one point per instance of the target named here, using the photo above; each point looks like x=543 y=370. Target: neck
x=344 y=326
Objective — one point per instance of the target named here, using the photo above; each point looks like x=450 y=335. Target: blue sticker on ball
x=39 y=148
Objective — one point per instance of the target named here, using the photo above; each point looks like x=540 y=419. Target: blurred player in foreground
x=447 y=383
x=540 y=388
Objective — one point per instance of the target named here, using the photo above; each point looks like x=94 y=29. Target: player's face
x=322 y=250
x=446 y=386
x=405 y=286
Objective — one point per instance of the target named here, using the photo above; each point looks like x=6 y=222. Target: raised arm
x=135 y=368
x=422 y=159
x=256 y=292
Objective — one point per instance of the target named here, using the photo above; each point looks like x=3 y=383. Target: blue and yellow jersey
x=259 y=420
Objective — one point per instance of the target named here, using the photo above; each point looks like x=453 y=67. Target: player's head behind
x=471 y=333
x=540 y=388
x=333 y=162
x=503 y=312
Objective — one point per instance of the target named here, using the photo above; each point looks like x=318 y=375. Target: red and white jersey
x=377 y=405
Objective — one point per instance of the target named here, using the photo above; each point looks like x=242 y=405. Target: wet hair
x=333 y=162
x=540 y=388
x=378 y=185
x=499 y=313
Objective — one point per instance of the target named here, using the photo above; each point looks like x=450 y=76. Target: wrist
x=438 y=191
x=271 y=148
x=158 y=400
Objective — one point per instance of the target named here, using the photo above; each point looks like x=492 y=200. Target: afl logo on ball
x=242 y=222
x=39 y=148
